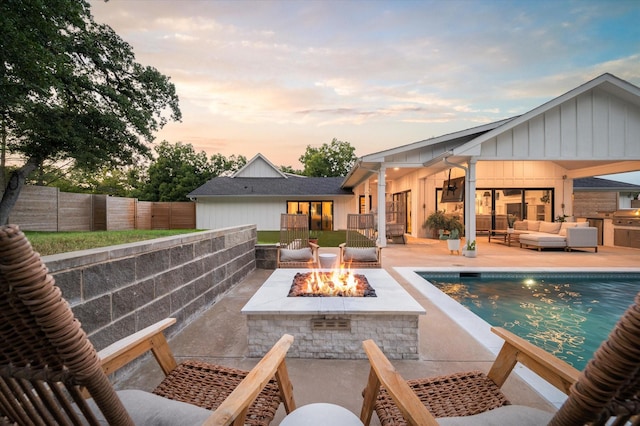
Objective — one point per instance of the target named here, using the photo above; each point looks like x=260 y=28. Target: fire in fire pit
x=327 y=284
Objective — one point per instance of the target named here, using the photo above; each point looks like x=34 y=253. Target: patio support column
x=469 y=201
x=382 y=213
x=367 y=196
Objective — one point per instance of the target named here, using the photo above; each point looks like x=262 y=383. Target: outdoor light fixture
x=486 y=196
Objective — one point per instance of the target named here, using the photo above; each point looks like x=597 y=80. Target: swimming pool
x=567 y=314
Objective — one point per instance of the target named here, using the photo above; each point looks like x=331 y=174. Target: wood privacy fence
x=42 y=208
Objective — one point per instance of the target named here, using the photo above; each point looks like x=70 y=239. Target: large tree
x=330 y=160
x=70 y=89
x=178 y=169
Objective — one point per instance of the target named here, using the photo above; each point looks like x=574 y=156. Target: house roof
x=522 y=138
x=256 y=187
x=599 y=184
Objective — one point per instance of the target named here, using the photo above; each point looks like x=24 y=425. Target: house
x=259 y=192
x=523 y=166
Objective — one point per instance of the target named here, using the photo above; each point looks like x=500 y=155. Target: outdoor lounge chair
x=608 y=387
x=294 y=249
x=361 y=249
x=49 y=369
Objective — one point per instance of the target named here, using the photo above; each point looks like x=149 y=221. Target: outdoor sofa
x=567 y=235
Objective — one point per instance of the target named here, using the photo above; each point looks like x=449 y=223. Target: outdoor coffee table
x=504 y=236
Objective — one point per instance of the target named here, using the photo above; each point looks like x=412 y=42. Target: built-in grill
x=629 y=217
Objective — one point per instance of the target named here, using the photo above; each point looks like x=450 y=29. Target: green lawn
x=47 y=243
x=326 y=238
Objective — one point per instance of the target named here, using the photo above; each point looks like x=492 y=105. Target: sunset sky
x=272 y=77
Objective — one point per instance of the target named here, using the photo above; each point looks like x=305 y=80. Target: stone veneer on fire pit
x=334 y=327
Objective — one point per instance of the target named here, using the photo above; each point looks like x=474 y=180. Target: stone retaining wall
x=266 y=256
x=118 y=290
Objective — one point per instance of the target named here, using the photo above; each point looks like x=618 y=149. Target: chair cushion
x=507 y=415
x=296 y=255
x=147 y=409
x=549 y=227
x=357 y=254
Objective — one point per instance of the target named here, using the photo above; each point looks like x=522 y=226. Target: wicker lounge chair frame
x=294 y=234
x=48 y=366
x=361 y=233
x=609 y=386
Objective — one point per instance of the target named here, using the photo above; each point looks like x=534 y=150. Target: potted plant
x=470 y=249
x=436 y=222
x=314 y=236
x=511 y=220
x=454 y=227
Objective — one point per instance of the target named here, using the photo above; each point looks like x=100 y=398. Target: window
x=320 y=213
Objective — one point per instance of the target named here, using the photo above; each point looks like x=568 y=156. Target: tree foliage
x=289 y=169
x=70 y=88
x=330 y=160
x=178 y=170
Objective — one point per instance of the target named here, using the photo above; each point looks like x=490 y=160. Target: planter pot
x=453 y=245
x=471 y=253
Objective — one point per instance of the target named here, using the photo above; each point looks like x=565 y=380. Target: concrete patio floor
x=220 y=334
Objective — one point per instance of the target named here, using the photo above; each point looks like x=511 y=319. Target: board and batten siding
x=592 y=125
x=265 y=213
x=259 y=168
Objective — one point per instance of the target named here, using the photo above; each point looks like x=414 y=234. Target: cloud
x=253 y=72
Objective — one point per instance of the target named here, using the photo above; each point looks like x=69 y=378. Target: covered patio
x=220 y=334
x=524 y=165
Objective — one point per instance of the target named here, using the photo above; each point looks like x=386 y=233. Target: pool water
x=568 y=316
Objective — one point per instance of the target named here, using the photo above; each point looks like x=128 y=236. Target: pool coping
x=478 y=328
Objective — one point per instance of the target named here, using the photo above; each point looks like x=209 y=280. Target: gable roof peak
x=258 y=158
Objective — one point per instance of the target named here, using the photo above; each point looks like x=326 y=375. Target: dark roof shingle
x=293 y=186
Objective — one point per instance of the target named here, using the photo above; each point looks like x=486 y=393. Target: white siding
x=595 y=124
x=258 y=168
x=262 y=212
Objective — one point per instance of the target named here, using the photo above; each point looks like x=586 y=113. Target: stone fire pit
x=334 y=327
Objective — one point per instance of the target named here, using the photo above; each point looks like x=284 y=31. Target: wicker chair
x=294 y=249
x=49 y=369
x=608 y=387
x=361 y=249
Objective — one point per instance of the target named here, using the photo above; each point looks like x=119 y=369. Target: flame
x=337 y=282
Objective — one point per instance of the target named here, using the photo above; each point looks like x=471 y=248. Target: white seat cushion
x=296 y=255
x=148 y=409
x=356 y=254
x=507 y=415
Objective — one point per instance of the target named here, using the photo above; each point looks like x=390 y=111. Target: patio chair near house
x=607 y=388
x=50 y=373
x=361 y=249
x=294 y=248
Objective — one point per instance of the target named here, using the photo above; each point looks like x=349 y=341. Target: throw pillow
x=355 y=254
x=533 y=225
x=295 y=255
x=550 y=227
x=520 y=225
